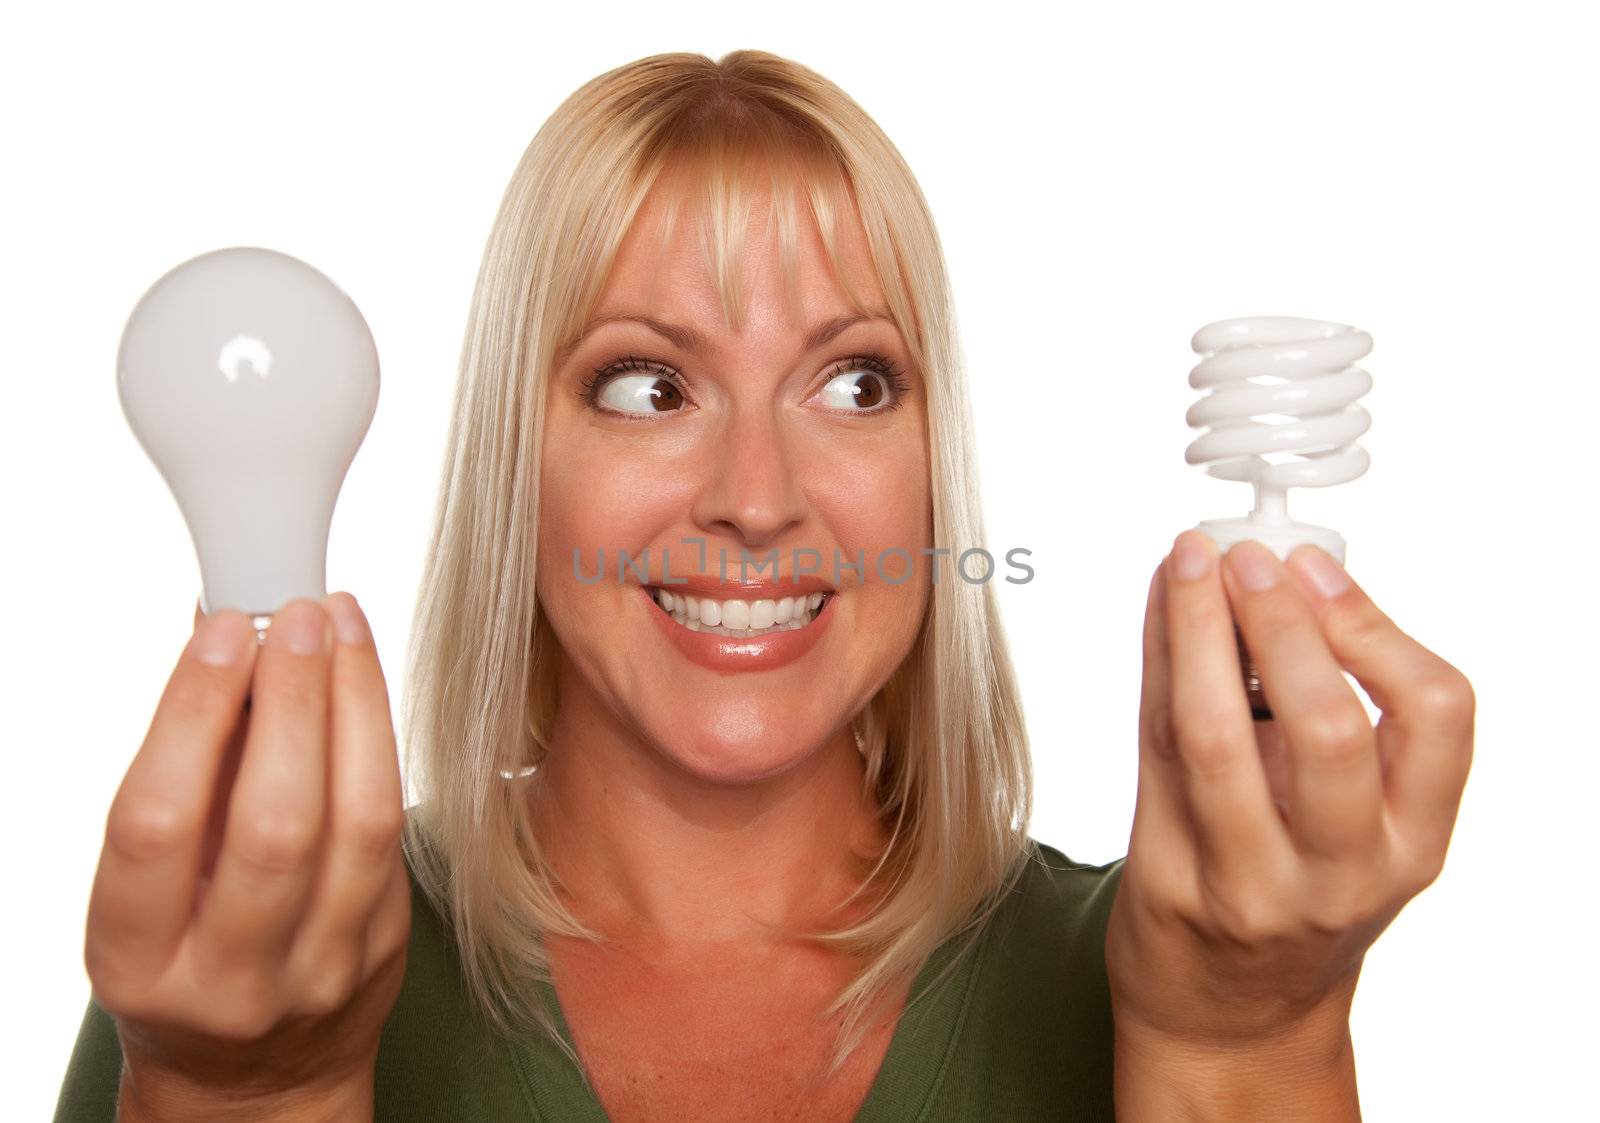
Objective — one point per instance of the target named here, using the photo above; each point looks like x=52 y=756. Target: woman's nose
x=752 y=492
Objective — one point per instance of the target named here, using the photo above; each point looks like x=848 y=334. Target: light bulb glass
x=250 y=379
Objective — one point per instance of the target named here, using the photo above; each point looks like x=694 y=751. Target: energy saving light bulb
x=250 y=379
x=1280 y=386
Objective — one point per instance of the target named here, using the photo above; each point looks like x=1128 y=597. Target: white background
x=1106 y=179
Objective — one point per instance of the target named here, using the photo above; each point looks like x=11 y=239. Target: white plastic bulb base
x=1279 y=537
x=250 y=379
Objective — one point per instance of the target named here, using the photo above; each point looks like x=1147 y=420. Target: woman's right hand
x=250 y=914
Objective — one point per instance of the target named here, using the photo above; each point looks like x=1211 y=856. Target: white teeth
x=742 y=619
x=762 y=614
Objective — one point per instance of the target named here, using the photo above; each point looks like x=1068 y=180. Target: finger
x=1335 y=787
x=1274 y=762
x=390 y=929
x=1155 y=710
x=1161 y=822
x=366 y=804
x=1426 y=702
x=1237 y=824
x=275 y=822
x=146 y=881
x=226 y=774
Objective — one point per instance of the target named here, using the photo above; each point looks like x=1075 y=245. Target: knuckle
x=1334 y=729
x=100 y=966
x=1362 y=626
x=393 y=937
x=1158 y=726
x=330 y=987
x=142 y=828
x=1423 y=870
x=1446 y=693
x=1203 y=744
x=386 y=964
x=1338 y=909
x=112 y=988
x=253 y=1005
x=1247 y=922
x=242 y=1020
x=373 y=833
x=1425 y=875
x=275 y=843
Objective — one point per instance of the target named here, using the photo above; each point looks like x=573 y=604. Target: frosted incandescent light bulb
x=250 y=379
x=1305 y=410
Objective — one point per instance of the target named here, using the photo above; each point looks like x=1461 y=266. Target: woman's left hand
x=1266 y=857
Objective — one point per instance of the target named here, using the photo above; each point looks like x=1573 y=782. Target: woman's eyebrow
x=692 y=341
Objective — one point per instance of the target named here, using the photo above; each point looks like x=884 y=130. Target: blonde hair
x=945 y=750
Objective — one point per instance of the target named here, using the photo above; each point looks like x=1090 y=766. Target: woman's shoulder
x=1055 y=890
x=1051 y=924
x=1036 y=1037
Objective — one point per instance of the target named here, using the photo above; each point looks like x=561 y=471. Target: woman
x=723 y=779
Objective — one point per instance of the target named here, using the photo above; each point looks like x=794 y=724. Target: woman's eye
x=639 y=393
x=861 y=391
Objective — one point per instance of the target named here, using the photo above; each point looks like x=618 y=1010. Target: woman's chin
x=733 y=757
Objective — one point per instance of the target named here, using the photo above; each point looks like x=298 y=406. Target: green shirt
x=1019 y=1031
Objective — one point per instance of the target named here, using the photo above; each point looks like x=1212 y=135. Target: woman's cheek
x=884 y=512
x=603 y=493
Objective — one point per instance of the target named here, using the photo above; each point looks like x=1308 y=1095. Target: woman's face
x=696 y=447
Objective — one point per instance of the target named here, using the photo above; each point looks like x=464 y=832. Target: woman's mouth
x=735 y=634
x=740 y=619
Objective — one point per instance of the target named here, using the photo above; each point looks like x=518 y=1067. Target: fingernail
x=1254 y=565
x=215 y=643
x=1327 y=576
x=348 y=619
x=1191 y=557
x=305 y=631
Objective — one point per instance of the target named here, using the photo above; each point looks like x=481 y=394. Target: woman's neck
x=658 y=857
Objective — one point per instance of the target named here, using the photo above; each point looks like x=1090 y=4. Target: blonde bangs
x=711 y=178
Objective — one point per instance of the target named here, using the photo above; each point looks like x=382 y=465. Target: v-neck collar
x=908 y=1079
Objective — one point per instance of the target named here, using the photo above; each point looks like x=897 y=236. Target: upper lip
x=710 y=585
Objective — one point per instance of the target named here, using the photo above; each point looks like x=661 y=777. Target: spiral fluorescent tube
x=1305 y=409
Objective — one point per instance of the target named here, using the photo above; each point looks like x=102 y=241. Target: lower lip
x=728 y=654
